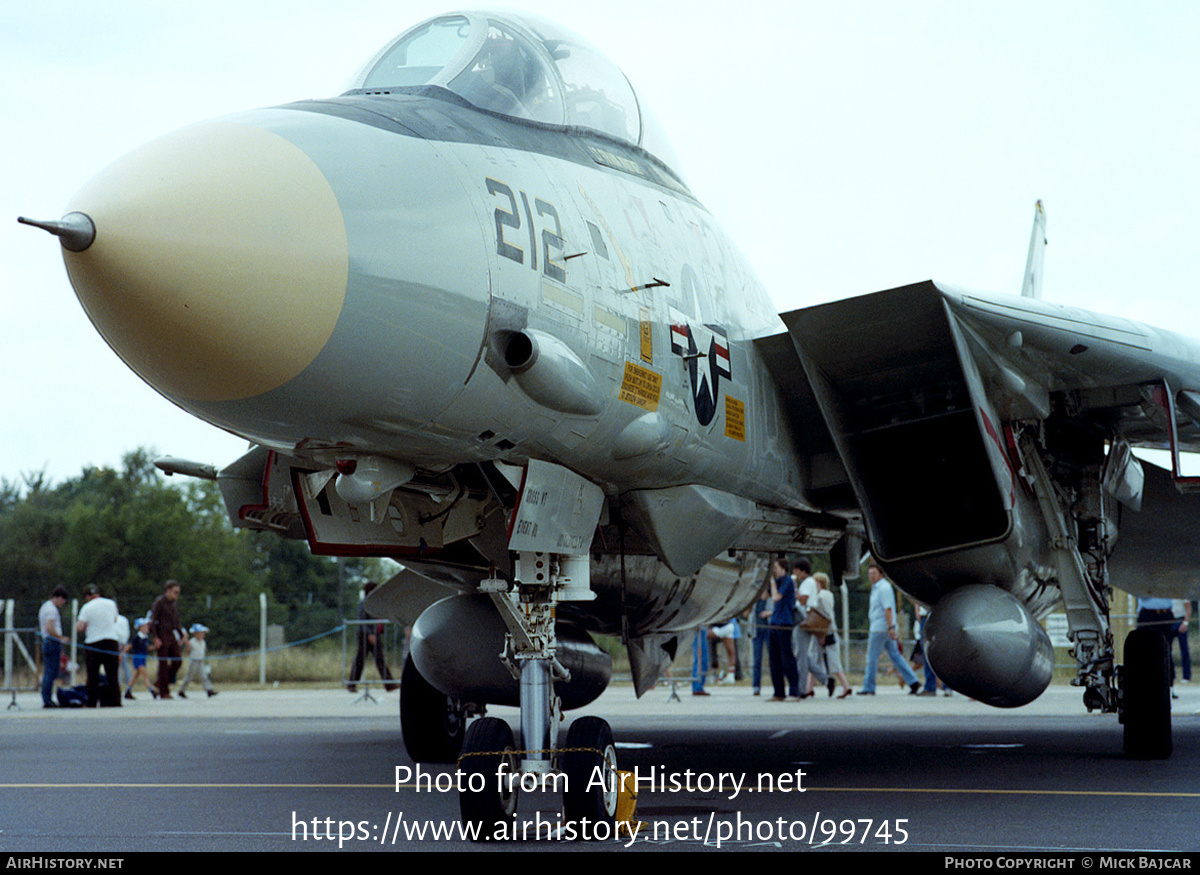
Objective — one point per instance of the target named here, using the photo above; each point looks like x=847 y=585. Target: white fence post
x=262 y=637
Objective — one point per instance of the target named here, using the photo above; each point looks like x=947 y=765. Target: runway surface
x=291 y=770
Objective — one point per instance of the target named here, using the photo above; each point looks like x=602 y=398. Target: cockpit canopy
x=525 y=68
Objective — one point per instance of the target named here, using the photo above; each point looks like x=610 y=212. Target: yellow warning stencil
x=641 y=387
x=735 y=419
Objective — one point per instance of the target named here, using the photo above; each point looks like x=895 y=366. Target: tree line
x=129 y=530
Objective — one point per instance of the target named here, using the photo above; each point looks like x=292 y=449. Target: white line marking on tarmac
x=982 y=746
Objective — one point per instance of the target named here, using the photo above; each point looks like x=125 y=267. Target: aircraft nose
x=219 y=262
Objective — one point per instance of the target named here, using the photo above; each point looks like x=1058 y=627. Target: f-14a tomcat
x=471 y=317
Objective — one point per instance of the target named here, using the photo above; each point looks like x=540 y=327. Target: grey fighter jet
x=471 y=317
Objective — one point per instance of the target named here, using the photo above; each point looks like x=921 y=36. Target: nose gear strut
x=495 y=766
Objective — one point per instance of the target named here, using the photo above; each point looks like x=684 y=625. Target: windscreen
x=525 y=68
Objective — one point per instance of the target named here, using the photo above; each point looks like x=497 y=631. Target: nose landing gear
x=493 y=775
x=493 y=767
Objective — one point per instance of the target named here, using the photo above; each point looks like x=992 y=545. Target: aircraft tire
x=590 y=747
x=1147 y=695
x=432 y=723
x=487 y=799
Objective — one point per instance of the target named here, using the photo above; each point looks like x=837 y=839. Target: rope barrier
x=151 y=651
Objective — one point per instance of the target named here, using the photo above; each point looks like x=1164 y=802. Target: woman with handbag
x=822 y=615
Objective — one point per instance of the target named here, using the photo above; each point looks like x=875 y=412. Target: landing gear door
x=557 y=511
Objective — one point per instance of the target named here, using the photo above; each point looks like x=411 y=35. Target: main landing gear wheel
x=487 y=799
x=590 y=765
x=433 y=723
x=1146 y=681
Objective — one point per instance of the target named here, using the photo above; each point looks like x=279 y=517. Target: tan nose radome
x=219 y=265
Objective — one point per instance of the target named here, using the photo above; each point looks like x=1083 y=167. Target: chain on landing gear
x=586 y=770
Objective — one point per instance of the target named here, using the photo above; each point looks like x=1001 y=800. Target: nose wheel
x=586 y=769
x=489 y=763
x=491 y=772
x=590 y=765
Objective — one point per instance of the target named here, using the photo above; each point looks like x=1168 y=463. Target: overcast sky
x=847 y=147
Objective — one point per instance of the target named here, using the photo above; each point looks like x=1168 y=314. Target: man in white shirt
x=99 y=625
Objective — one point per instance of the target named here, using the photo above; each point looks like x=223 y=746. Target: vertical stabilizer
x=1032 y=287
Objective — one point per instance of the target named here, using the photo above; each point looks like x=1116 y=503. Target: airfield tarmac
x=315 y=770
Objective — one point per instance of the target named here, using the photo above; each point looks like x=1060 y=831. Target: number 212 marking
x=511 y=218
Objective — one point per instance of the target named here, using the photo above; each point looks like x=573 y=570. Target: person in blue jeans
x=1183 y=613
x=759 y=618
x=700 y=661
x=50 y=628
x=882 y=634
